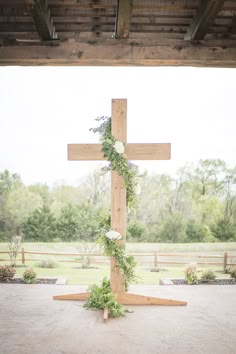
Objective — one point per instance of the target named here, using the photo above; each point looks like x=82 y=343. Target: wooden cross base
x=125 y=299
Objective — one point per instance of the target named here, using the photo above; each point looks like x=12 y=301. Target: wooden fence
x=154 y=259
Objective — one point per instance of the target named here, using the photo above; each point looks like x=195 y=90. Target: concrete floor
x=32 y=323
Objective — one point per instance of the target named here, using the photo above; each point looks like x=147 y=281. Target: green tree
x=62 y=195
x=173 y=229
x=135 y=231
x=88 y=223
x=196 y=232
x=20 y=204
x=8 y=182
x=40 y=225
x=96 y=190
x=67 y=223
x=224 y=230
x=41 y=190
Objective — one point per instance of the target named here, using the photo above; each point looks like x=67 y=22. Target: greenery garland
x=111 y=248
x=102 y=297
x=114 y=152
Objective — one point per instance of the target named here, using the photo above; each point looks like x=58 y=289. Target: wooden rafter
x=123 y=15
x=42 y=19
x=207 y=12
x=233 y=26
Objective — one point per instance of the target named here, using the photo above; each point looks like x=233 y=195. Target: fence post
x=225 y=260
x=155 y=260
x=22 y=256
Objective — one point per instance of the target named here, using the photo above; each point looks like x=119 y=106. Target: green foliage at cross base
x=101 y=297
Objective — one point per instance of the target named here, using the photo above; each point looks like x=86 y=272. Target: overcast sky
x=44 y=108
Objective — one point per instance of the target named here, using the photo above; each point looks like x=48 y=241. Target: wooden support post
x=22 y=256
x=155 y=260
x=225 y=261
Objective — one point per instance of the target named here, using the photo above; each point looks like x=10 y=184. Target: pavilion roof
x=118 y=32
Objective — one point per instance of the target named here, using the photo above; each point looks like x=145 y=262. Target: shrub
x=191 y=274
x=47 y=263
x=14 y=245
x=232 y=272
x=6 y=272
x=29 y=276
x=208 y=276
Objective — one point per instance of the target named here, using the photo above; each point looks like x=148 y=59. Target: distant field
x=76 y=275
x=133 y=247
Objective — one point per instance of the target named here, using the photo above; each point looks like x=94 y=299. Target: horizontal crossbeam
x=127 y=299
x=92 y=152
x=112 y=53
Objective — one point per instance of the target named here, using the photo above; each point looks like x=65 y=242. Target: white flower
x=119 y=147
x=113 y=235
x=137 y=189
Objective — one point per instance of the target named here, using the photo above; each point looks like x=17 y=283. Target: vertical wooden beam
x=207 y=12
x=22 y=256
x=42 y=19
x=123 y=15
x=233 y=25
x=118 y=200
x=225 y=261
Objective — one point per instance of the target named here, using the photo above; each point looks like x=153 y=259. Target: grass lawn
x=75 y=275
x=132 y=247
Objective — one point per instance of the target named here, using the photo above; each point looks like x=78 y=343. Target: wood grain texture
x=206 y=13
x=118 y=192
x=105 y=314
x=79 y=296
x=107 y=52
x=85 y=152
x=42 y=19
x=134 y=299
x=148 y=151
x=92 y=152
x=123 y=16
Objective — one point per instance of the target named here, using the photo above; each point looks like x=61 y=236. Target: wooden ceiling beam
x=123 y=16
x=207 y=12
x=41 y=15
x=117 y=53
x=233 y=26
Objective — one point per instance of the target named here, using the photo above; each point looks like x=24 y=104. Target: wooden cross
x=118 y=199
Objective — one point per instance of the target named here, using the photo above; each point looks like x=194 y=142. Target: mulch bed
x=216 y=282
x=21 y=281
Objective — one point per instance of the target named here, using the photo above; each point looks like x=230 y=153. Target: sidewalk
x=32 y=323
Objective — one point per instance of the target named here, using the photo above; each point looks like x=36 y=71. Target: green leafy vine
x=102 y=297
x=114 y=151
x=126 y=263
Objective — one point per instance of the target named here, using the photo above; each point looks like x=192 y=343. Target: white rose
x=137 y=189
x=119 y=147
x=113 y=235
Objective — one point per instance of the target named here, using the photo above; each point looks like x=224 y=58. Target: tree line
x=196 y=205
